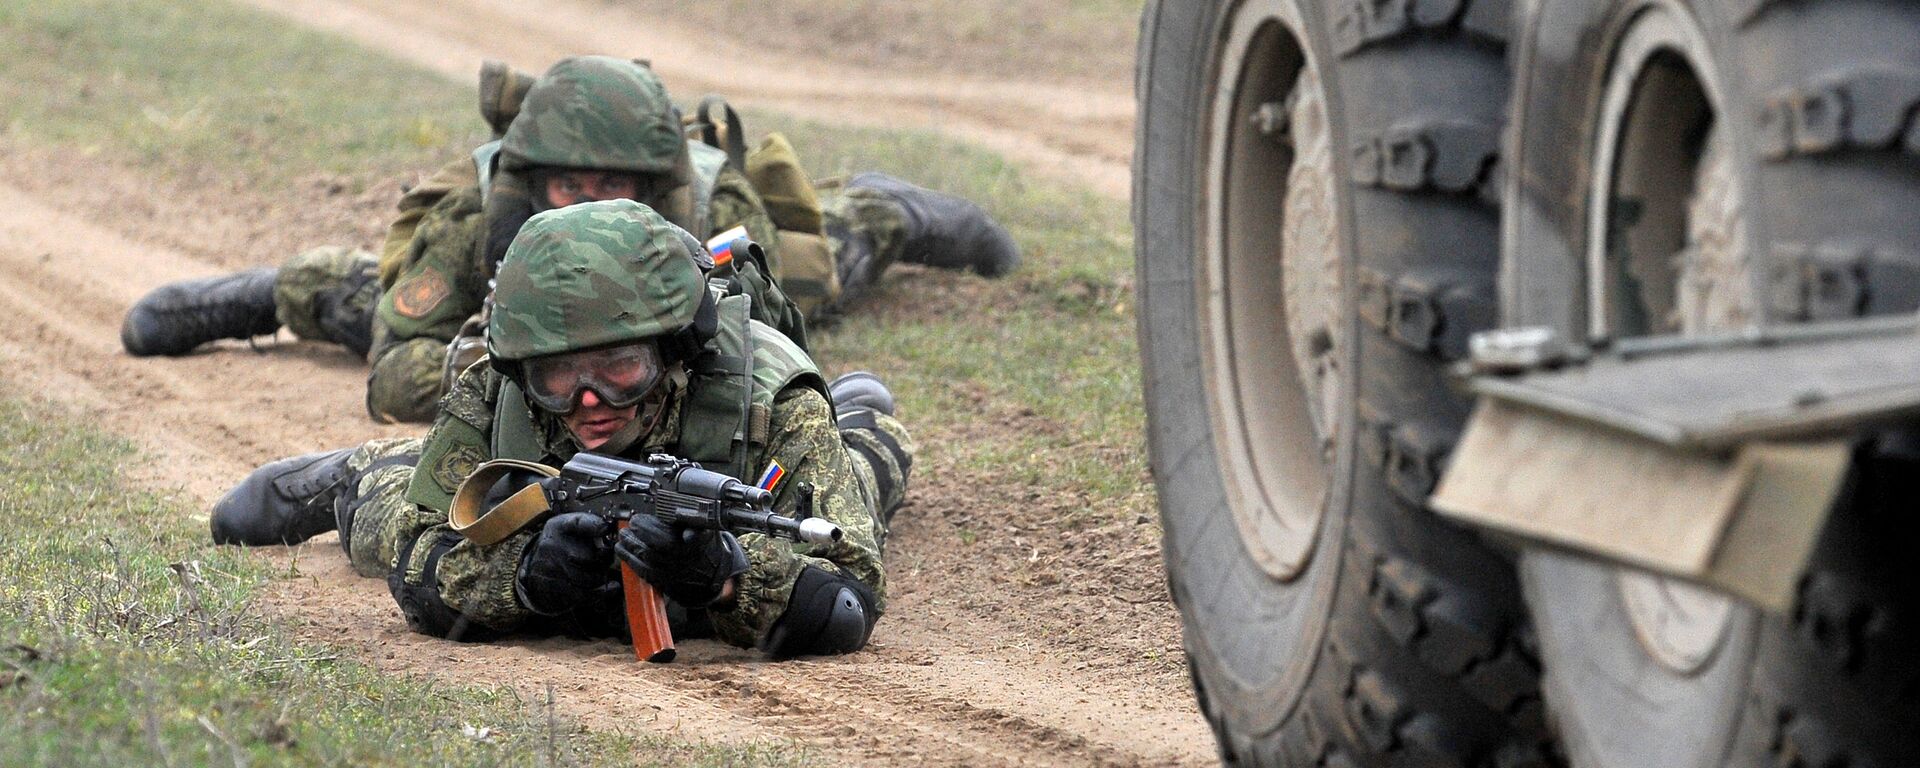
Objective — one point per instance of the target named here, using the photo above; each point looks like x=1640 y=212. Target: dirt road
x=971 y=667
x=1079 y=132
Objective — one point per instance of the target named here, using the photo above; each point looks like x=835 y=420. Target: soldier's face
x=572 y=187
x=593 y=421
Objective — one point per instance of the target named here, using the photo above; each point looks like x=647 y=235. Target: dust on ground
x=1027 y=647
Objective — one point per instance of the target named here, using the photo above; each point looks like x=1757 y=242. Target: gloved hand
x=689 y=566
x=568 y=563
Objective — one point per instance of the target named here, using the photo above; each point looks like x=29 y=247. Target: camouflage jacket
x=479 y=581
x=441 y=278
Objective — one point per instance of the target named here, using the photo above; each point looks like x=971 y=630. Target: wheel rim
x=1666 y=256
x=1271 y=340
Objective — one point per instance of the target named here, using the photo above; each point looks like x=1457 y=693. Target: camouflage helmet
x=590 y=275
x=597 y=112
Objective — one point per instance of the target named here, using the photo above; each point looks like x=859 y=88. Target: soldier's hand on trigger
x=691 y=567
x=569 y=562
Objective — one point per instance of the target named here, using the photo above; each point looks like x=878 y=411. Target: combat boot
x=945 y=231
x=860 y=389
x=283 y=502
x=176 y=317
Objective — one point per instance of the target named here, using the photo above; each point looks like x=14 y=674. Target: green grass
x=189 y=87
x=129 y=640
x=1057 y=343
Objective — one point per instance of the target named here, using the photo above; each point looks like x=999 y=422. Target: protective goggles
x=620 y=376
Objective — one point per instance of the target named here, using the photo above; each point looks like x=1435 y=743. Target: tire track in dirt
x=1079 y=134
x=920 y=695
x=67 y=282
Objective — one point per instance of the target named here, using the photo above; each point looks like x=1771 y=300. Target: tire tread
x=1865 y=109
x=1361 y=24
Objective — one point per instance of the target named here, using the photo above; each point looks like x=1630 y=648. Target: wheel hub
x=1270 y=291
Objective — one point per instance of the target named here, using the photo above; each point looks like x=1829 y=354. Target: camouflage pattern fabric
x=440 y=279
x=878 y=225
x=883 y=453
x=479 y=581
x=432 y=263
x=397 y=250
x=405 y=382
x=371 y=522
x=307 y=278
x=590 y=275
x=444 y=281
x=597 y=112
x=736 y=204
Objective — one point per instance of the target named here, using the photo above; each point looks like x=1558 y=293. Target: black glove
x=569 y=562
x=689 y=566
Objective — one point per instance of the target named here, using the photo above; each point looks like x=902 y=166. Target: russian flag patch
x=721 y=245
x=772 y=476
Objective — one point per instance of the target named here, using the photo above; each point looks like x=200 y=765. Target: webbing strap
x=735 y=142
x=490 y=526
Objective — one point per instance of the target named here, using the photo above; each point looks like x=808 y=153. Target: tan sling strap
x=492 y=525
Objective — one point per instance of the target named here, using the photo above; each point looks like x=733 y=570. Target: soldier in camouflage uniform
x=605 y=337
x=591 y=128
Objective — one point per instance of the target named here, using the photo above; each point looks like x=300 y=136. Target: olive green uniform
x=441 y=280
x=396 y=516
x=729 y=392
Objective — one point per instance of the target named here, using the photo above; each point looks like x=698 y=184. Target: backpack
x=806 y=266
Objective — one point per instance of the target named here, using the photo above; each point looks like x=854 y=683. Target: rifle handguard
x=489 y=526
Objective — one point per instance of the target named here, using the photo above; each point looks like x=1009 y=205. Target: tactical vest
x=707 y=163
x=726 y=412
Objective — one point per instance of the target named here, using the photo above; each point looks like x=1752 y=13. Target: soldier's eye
x=619 y=186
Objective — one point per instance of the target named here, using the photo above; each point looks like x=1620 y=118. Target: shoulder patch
x=418 y=295
x=454 y=467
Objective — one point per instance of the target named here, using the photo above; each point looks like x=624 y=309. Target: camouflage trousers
x=324 y=290
x=376 y=521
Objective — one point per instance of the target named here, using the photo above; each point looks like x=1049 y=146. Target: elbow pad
x=426 y=613
x=827 y=614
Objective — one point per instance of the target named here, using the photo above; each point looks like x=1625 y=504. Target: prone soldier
x=591 y=128
x=606 y=337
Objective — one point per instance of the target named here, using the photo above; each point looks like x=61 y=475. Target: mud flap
x=1741 y=521
x=1714 y=459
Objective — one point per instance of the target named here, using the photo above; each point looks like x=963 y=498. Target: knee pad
x=860 y=389
x=827 y=614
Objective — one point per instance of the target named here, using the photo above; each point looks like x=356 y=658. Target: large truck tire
x=1701 y=166
x=1316 y=230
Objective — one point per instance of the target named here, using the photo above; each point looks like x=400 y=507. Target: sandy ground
x=1079 y=131
x=1030 y=649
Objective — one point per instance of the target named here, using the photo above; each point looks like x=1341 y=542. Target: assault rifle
x=682 y=494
